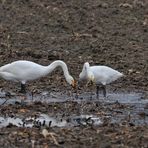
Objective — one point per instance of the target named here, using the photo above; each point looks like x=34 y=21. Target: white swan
x=99 y=75
x=23 y=71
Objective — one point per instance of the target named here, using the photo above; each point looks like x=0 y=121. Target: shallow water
x=136 y=102
x=128 y=98
x=45 y=120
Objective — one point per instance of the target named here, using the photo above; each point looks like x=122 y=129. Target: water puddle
x=136 y=108
x=29 y=98
x=85 y=120
x=45 y=120
x=136 y=111
x=128 y=98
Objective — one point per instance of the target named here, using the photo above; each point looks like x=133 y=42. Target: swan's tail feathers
x=119 y=75
x=122 y=75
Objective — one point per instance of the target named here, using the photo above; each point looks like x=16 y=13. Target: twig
x=4 y=102
x=53 y=137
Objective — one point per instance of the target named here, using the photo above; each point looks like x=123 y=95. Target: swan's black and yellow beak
x=74 y=84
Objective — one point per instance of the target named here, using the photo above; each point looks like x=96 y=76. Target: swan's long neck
x=87 y=69
x=56 y=64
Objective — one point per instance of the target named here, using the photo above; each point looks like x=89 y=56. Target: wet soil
x=108 y=32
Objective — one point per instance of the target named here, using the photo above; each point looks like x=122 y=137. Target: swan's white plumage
x=24 y=71
x=105 y=75
x=99 y=75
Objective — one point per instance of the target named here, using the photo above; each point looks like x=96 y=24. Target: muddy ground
x=107 y=32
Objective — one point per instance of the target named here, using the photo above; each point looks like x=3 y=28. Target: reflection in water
x=45 y=97
x=45 y=120
x=85 y=120
x=134 y=100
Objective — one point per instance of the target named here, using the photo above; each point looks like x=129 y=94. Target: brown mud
x=105 y=32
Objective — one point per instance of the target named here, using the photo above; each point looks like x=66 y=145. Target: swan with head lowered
x=99 y=75
x=23 y=71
